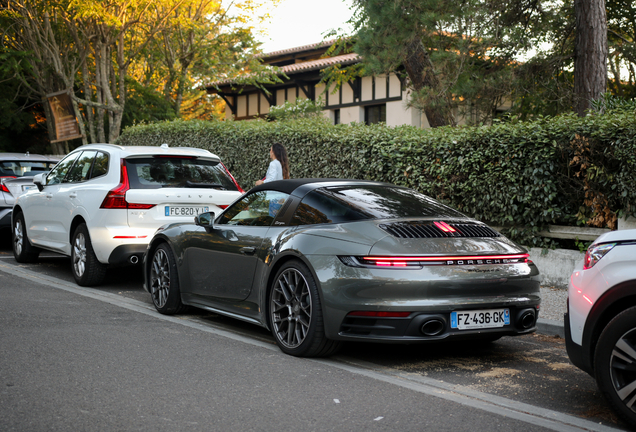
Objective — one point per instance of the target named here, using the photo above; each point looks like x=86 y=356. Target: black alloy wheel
x=164 y=281
x=296 y=315
x=615 y=364
x=23 y=251
x=87 y=270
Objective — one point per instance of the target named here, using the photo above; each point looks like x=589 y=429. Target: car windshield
x=380 y=202
x=188 y=172
x=24 y=168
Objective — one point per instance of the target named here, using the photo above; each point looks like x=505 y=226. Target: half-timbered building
x=371 y=99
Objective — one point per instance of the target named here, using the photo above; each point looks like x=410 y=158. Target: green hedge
x=523 y=175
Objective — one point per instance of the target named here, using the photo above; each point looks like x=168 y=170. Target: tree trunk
x=590 y=53
x=420 y=70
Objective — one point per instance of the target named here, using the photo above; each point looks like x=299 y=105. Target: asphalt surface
x=101 y=359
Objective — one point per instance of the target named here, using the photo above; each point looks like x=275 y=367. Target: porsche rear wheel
x=296 y=314
x=615 y=364
x=164 y=281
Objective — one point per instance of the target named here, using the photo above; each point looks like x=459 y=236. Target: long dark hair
x=280 y=153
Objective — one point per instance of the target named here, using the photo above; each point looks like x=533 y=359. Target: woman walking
x=278 y=167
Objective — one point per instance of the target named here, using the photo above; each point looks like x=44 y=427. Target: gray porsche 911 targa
x=319 y=262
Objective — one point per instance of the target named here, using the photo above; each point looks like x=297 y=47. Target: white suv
x=600 y=324
x=102 y=203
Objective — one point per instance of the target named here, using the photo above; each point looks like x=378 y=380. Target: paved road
x=99 y=359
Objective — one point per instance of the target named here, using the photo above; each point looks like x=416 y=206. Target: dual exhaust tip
x=436 y=325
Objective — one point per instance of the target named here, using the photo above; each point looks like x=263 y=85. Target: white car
x=16 y=177
x=102 y=203
x=600 y=324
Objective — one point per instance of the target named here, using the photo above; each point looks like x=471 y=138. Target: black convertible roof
x=289 y=186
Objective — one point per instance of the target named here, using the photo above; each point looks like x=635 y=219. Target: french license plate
x=27 y=187
x=186 y=210
x=477 y=319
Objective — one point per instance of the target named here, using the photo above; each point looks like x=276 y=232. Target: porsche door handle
x=247 y=250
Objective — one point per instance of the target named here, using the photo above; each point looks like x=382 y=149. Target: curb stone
x=550 y=327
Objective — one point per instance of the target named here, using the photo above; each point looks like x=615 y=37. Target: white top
x=274 y=172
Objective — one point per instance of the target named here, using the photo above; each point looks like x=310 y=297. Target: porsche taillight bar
x=420 y=261
x=445 y=258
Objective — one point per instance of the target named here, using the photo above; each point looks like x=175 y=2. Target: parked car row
x=320 y=261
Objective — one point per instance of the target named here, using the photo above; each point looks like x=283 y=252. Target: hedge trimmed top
x=524 y=175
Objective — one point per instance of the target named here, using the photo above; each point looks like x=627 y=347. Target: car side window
x=100 y=166
x=256 y=209
x=82 y=168
x=317 y=208
x=61 y=169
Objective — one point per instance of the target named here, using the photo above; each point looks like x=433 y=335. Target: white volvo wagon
x=102 y=203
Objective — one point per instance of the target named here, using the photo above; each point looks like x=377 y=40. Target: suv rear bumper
x=127 y=254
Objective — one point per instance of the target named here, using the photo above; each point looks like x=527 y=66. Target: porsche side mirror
x=40 y=180
x=206 y=220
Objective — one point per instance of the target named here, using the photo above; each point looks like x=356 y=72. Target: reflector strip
x=380 y=314
x=129 y=237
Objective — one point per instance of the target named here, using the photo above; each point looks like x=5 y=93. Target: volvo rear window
x=346 y=204
x=161 y=172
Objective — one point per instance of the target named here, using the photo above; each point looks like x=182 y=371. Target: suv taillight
x=116 y=198
x=3 y=188
x=233 y=179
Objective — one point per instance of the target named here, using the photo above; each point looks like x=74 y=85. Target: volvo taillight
x=116 y=198
x=233 y=179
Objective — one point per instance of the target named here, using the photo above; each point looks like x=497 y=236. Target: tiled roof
x=299 y=49
x=322 y=63
x=345 y=59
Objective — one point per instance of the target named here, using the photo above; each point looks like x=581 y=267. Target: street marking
x=456 y=393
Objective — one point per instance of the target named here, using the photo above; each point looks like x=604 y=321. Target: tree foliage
x=301 y=108
x=97 y=49
x=516 y=54
x=467 y=49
